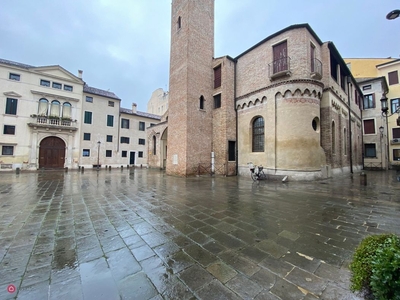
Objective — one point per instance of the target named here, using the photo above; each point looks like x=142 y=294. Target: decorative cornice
x=12 y=94
x=335 y=105
x=302 y=100
x=44 y=94
x=52 y=127
x=344 y=103
x=309 y=81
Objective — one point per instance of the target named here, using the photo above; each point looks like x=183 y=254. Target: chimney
x=80 y=74
x=134 y=106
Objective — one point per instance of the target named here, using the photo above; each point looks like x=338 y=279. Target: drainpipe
x=350 y=132
x=119 y=126
x=236 y=112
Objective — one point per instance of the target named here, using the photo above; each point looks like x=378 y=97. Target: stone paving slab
x=139 y=234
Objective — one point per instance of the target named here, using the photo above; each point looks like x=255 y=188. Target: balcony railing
x=54 y=121
x=316 y=69
x=279 y=67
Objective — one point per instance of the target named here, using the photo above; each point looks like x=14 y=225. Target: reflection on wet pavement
x=139 y=234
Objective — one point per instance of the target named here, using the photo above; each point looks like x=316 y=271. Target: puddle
x=64 y=256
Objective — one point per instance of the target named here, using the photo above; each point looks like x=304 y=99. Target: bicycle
x=257 y=172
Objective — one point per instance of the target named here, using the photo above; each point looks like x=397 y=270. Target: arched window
x=55 y=108
x=201 y=102
x=258 y=134
x=66 y=112
x=154 y=145
x=315 y=124
x=43 y=107
x=333 y=137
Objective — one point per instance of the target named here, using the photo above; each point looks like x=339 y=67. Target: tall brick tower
x=190 y=86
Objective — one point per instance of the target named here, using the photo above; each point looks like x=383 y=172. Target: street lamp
x=386 y=114
x=385 y=109
x=381 y=129
x=98 y=155
x=393 y=14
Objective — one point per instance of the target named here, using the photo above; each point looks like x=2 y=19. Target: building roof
x=139 y=113
x=39 y=69
x=15 y=64
x=99 y=92
x=385 y=86
x=295 y=26
x=389 y=62
x=367 y=79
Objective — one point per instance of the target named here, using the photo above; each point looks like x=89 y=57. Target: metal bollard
x=17 y=170
x=109 y=168
x=66 y=169
x=363 y=178
x=83 y=169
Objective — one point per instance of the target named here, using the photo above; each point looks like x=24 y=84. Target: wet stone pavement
x=139 y=234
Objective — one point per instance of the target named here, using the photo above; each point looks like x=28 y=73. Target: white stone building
x=51 y=118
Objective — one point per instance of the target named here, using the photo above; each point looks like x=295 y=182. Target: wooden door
x=280 y=57
x=52 y=153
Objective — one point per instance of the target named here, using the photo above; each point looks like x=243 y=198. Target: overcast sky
x=123 y=45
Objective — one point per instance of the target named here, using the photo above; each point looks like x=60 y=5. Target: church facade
x=288 y=103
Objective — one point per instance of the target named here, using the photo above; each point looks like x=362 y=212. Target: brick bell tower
x=190 y=86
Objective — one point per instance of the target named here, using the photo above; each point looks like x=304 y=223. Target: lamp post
x=381 y=129
x=386 y=114
x=98 y=155
x=393 y=14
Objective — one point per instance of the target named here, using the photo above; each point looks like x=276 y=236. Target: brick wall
x=224 y=118
x=192 y=49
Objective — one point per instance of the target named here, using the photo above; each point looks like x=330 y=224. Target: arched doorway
x=52 y=153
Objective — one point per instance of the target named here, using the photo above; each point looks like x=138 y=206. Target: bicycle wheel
x=262 y=175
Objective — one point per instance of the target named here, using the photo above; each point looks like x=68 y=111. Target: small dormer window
x=14 y=76
x=57 y=85
x=44 y=82
x=68 y=88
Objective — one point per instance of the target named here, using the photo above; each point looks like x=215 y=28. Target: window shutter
x=355 y=96
x=369 y=126
x=396 y=133
x=393 y=77
x=217 y=77
x=280 y=57
x=373 y=100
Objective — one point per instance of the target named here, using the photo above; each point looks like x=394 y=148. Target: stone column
x=33 y=158
x=69 y=152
